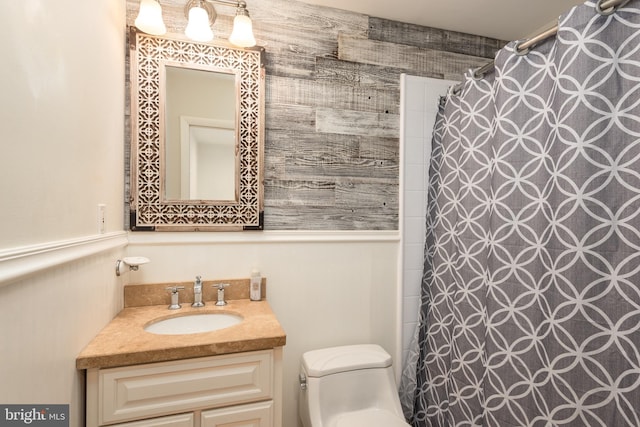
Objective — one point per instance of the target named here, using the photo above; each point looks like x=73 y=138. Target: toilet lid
x=368 y=418
x=327 y=361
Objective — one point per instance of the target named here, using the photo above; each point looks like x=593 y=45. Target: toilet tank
x=345 y=379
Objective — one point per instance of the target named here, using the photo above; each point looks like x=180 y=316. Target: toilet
x=349 y=386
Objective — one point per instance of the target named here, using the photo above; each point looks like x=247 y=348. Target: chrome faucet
x=197 y=293
x=174 y=297
x=221 y=287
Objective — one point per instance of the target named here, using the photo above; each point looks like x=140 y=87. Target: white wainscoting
x=55 y=298
x=326 y=288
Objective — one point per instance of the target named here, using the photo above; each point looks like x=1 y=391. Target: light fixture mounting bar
x=211 y=11
x=235 y=3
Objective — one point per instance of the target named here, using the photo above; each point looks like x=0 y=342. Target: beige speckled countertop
x=125 y=342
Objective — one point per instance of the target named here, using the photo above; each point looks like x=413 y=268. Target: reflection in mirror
x=200 y=134
x=197 y=130
x=209 y=168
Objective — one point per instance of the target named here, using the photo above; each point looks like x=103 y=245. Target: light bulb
x=198 y=28
x=149 y=18
x=242 y=34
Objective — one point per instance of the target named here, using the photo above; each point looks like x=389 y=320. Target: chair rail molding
x=293 y=236
x=16 y=263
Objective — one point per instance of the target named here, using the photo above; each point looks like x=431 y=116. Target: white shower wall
x=419 y=104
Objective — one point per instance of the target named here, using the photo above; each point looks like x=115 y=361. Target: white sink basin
x=193 y=323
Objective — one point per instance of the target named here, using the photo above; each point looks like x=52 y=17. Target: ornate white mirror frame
x=150 y=210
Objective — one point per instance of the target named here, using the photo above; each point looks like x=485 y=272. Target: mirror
x=200 y=134
x=197 y=135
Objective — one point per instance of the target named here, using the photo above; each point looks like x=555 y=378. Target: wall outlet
x=101 y=218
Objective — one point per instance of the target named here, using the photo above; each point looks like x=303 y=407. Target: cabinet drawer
x=251 y=415
x=182 y=420
x=155 y=389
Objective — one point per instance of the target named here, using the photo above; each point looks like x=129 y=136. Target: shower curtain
x=530 y=309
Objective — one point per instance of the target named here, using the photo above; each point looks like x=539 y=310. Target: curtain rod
x=603 y=7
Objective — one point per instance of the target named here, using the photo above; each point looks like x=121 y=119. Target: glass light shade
x=198 y=28
x=149 y=18
x=242 y=34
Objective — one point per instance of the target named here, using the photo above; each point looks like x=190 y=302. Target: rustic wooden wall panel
x=332 y=106
x=449 y=64
x=363 y=75
x=433 y=38
x=285 y=90
x=298 y=192
x=289 y=117
x=317 y=218
x=374 y=195
x=329 y=165
x=350 y=122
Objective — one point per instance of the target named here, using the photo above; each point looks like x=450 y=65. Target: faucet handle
x=220 y=287
x=174 y=297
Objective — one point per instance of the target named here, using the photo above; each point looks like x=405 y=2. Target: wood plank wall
x=332 y=106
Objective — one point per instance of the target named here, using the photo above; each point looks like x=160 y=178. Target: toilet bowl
x=349 y=386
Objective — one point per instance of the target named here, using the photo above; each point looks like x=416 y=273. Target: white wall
x=62 y=86
x=419 y=105
x=326 y=288
x=61 y=154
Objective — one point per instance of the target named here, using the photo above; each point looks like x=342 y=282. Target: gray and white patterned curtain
x=531 y=290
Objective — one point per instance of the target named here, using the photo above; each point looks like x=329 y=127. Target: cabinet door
x=182 y=420
x=251 y=415
x=156 y=389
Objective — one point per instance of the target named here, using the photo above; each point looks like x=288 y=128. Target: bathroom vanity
x=230 y=376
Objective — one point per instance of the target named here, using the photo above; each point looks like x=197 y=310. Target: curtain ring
x=479 y=73
x=522 y=52
x=610 y=10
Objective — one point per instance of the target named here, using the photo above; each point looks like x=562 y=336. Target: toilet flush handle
x=303 y=382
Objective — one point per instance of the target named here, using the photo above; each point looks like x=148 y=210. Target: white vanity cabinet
x=217 y=391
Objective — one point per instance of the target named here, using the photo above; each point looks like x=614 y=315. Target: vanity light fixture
x=201 y=15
